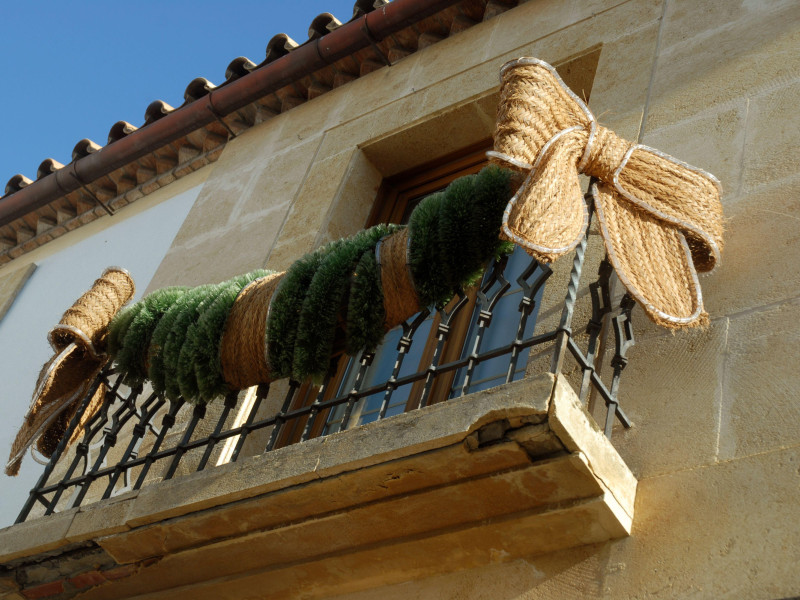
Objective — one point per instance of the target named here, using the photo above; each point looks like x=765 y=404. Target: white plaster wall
x=137 y=243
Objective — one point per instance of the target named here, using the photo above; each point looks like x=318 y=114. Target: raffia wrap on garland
x=79 y=341
x=660 y=218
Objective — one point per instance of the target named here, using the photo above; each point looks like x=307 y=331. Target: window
x=398 y=197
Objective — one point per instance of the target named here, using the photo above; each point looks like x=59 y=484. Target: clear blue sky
x=70 y=70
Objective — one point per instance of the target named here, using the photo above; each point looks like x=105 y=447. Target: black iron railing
x=151 y=436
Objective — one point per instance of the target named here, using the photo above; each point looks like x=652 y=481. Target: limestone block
x=722 y=531
x=37 y=535
x=559 y=29
x=569 y=420
x=574 y=574
x=452 y=55
x=622 y=80
x=101 y=518
x=772 y=137
x=754 y=53
x=671 y=391
x=760 y=411
x=218 y=256
x=11 y=285
x=760 y=262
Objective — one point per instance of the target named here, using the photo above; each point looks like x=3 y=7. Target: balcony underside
x=513 y=471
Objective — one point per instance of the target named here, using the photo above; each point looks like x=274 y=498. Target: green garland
x=132 y=356
x=455 y=231
x=173 y=336
x=285 y=310
x=365 y=312
x=323 y=302
x=204 y=369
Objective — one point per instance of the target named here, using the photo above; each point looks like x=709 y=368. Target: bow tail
x=652 y=260
x=63 y=382
x=548 y=215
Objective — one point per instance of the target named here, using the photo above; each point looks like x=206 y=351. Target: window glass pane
x=502 y=330
x=386 y=356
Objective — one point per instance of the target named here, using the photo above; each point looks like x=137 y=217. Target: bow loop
x=661 y=219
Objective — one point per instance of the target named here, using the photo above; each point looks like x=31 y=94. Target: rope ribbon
x=661 y=219
x=79 y=345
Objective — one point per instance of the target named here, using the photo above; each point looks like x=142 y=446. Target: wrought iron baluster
x=624 y=340
x=198 y=414
x=230 y=403
x=92 y=428
x=261 y=393
x=487 y=305
x=601 y=306
x=149 y=408
x=315 y=408
x=119 y=418
x=565 y=326
x=403 y=348
x=167 y=422
x=280 y=419
x=526 y=306
x=442 y=333
x=366 y=361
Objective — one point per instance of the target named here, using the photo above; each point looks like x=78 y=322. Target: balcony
x=304 y=490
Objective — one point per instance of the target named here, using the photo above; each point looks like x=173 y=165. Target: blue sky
x=70 y=70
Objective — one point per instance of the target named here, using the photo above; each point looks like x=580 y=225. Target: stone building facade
x=713 y=456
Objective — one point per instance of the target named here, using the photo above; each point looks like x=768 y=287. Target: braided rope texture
x=79 y=341
x=661 y=219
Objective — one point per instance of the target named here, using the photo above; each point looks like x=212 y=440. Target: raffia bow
x=660 y=218
x=79 y=345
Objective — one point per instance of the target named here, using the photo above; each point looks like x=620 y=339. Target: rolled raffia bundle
x=79 y=341
x=660 y=218
x=242 y=351
x=400 y=298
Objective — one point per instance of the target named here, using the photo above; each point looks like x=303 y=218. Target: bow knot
x=604 y=154
x=661 y=219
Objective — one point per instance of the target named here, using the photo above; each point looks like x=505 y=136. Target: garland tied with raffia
x=660 y=218
x=204 y=342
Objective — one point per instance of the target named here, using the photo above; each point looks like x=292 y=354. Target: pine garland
x=204 y=337
x=173 y=336
x=316 y=326
x=365 y=312
x=131 y=358
x=171 y=350
x=119 y=327
x=285 y=311
x=454 y=232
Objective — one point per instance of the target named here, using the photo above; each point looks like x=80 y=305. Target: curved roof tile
x=84 y=148
x=47 y=166
x=239 y=67
x=16 y=183
x=197 y=88
x=119 y=130
x=280 y=45
x=155 y=110
x=323 y=24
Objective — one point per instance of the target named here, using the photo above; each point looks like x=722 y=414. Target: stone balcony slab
x=509 y=472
